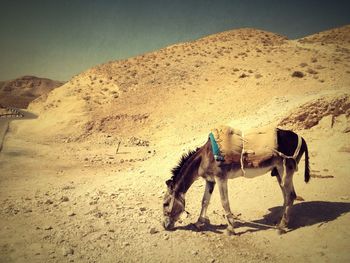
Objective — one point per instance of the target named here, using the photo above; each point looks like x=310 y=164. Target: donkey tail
x=307 y=166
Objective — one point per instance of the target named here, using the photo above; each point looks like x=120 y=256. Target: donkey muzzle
x=168 y=224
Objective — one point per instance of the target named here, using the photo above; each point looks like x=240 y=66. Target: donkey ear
x=169 y=183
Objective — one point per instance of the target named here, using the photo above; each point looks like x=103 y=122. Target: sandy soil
x=69 y=193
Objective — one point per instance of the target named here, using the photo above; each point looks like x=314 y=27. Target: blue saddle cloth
x=215 y=148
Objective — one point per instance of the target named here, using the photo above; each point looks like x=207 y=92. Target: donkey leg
x=286 y=183
x=289 y=191
x=222 y=184
x=203 y=219
x=280 y=176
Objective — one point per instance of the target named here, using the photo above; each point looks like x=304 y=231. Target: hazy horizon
x=58 y=40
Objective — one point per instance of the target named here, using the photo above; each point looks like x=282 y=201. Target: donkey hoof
x=281 y=231
x=201 y=223
x=230 y=231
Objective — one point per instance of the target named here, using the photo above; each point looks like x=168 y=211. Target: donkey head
x=173 y=206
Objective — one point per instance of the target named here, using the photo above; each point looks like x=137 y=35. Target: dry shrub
x=297 y=74
x=319 y=67
x=311 y=71
x=243 y=76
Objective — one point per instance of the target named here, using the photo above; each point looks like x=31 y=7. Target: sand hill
x=21 y=91
x=209 y=75
x=95 y=160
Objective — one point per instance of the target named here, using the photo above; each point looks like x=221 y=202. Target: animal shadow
x=311 y=213
x=302 y=214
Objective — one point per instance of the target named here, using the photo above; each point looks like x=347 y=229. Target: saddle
x=248 y=149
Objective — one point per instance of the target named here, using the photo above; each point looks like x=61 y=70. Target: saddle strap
x=296 y=152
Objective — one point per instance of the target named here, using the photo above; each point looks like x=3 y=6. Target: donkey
x=202 y=163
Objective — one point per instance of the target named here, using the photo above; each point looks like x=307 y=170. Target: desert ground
x=83 y=179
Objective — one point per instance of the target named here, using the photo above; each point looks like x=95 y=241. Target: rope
x=255 y=223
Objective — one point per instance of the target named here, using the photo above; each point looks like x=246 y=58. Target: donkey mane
x=184 y=158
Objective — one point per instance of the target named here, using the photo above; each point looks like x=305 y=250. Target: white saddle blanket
x=249 y=149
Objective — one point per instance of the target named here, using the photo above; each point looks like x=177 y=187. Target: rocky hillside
x=21 y=91
x=161 y=90
x=337 y=36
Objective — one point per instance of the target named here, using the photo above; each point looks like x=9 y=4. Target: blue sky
x=58 y=39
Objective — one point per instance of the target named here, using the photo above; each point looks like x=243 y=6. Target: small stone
x=64 y=199
x=194 y=252
x=166 y=237
x=125 y=244
x=48 y=202
x=347 y=129
x=71 y=213
x=153 y=231
x=48 y=228
x=99 y=214
x=67 y=251
x=142 y=209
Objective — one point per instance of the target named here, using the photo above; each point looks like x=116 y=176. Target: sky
x=59 y=39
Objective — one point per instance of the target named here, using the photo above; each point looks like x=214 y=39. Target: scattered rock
x=67 y=251
x=48 y=202
x=71 y=213
x=64 y=199
x=347 y=129
x=297 y=74
x=98 y=214
x=153 y=231
x=48 y=228
x=68 y=187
